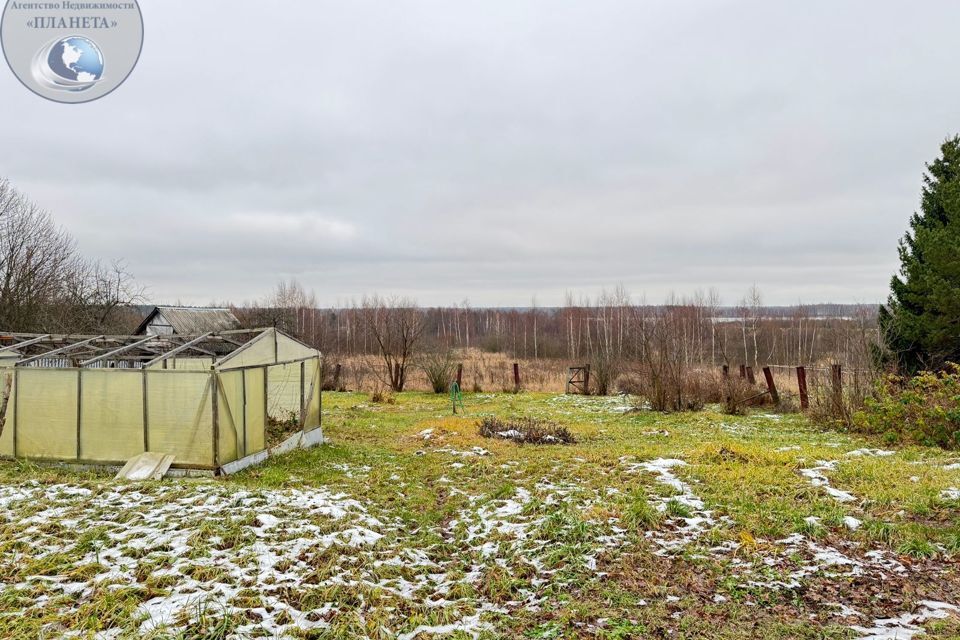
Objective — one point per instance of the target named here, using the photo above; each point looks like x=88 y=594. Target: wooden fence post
x=743 y=371
x=802 y=385
x=586 y=380
x=516 y=377
x=726 y=384
x=750 y=378
x=771 y=386
x=336 y=377
x=836 y=380
x=460 y=375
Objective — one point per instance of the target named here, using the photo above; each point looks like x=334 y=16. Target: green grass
x=556 y=541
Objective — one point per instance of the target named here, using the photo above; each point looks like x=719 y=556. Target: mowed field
x=409 y=524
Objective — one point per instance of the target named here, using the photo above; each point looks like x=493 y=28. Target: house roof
x=193 y=320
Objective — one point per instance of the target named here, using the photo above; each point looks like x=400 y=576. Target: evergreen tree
x=921 y=321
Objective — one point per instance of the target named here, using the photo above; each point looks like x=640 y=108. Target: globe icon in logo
x=74 y=63
x=71 y=52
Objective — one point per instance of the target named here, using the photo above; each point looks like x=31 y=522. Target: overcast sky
x=501 y=150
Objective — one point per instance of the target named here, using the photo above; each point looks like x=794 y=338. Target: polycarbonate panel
x=255 y=409
x=6 y=438
x=290 y=349
x=179 y=416
x=261 y=350
x=230 y=412
x=190 y=364
x=47 y=413
x=283 y=390
x=111 y=414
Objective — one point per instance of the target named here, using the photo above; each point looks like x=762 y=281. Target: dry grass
x=485 y=372
x=482 y=372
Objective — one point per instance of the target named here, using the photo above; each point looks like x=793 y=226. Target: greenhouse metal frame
x=206 y=399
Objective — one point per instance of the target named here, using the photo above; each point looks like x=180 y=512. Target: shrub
x=688 y=391
x=525 y=430
x=439 y=368
x=924 y=409
x=737 y=392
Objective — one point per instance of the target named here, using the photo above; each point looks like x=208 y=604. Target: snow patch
x=907 y=625
x=819 y=479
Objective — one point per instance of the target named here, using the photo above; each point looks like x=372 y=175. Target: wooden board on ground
x=146 y=466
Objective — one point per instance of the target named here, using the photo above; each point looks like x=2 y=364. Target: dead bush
x=737 y=395
x=669 y=393
x=382 y=396
x=630 y=384
x=836 y=407
x=705 y=385
x=525 y=431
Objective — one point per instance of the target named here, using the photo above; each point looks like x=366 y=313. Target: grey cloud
x=502 y=150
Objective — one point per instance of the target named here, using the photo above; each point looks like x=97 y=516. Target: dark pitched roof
x=192 y=320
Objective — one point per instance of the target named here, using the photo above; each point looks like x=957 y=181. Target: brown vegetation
x=525 y=431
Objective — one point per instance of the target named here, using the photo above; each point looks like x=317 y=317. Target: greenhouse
x=217 y=401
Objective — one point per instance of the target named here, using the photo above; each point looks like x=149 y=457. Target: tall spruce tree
x=921 y=320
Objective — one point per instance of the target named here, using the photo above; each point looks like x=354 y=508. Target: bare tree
x=396 y=325
x=35 y=255
x=605 y=341
x=99 y=298
x=45 y=285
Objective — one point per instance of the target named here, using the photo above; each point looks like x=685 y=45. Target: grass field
x=410 y=524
